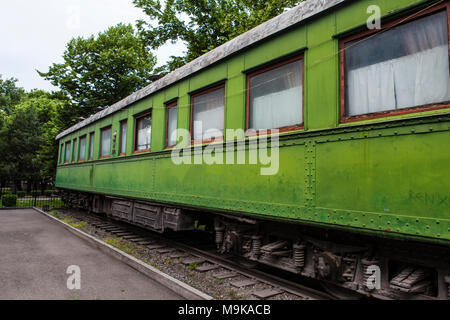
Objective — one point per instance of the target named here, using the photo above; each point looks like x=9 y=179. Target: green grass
x=55 y=214
x=193 y=266
x=121 y=244
x=73 y=222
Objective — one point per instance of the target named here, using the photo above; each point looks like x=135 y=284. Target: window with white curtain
x=208 y=114
x=123 y=137
x=276 y=97
x=143 y=133
x=406 y=66
x=91 y=146
x=67 y=153
x=82 y=149
x=172 y=114
x=74 y=149
x=105 y=143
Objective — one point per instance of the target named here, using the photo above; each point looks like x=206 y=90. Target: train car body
x=357 y=184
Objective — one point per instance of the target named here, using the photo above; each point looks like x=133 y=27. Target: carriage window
x=74 y=149
x=82 y=149
x=61 y=154
x=276 y=96
x=208 y=114
x=171 y=126
x=143 y=133
x=67 y=153
x=91 y=146
x=123 y=137
x=406 y=66
x=105 y=143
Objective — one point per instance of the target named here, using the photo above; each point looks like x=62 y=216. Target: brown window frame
x=67 y=161
x=343 y=118
x=122 y=152
x=79 y=148
x=168 y=107
x=200 y=93
x=296 y=127
x=136 y=118
x=100 y=149
x=91 y=142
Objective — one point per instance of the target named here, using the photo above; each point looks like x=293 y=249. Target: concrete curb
x=180 y=288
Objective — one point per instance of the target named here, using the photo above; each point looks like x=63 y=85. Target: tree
x=10 y=95
x=27 y=138
x=20 y=139
x=99 y=71
x=52 y=111
x=209 y=23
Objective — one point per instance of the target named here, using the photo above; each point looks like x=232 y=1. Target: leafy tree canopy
x=203 y=24
x=99 y=71
x=10 y=95
x=27 y=137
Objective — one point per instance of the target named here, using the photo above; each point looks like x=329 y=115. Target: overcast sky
x=33 y=33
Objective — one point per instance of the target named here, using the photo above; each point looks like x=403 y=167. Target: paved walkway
x=35 y=254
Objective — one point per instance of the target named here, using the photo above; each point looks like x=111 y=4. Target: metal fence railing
x=45 y=200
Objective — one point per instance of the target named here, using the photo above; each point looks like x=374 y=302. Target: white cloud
x=34 y=33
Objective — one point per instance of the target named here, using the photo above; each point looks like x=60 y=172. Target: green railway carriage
x=362 y=118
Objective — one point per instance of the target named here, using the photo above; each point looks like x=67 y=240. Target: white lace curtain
x=276 y=98
x=404 y=67
x=82 y=152
x=172 y=126
x=123 y=137
x=209 y=115
x=106 y=143
x=144 y=135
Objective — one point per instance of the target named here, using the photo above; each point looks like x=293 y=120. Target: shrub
x=21 y=194
x=35 y=193
x=6 y=190
x=9 y=200
x=48 y=193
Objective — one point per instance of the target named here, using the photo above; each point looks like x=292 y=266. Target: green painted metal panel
x=280 y=46
x=236 y=97
x=321 y=70
x=158 y=123
x=209 y=76
x=396 y=175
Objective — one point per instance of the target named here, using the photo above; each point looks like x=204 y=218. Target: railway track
x=195 y=251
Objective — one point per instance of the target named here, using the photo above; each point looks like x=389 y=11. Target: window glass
x=144 y=133
x=406 y=66
x=82 y=149
x=106 y=143
x=172 y=126
x=91 y=146
x=74 y=149
x=123 y=137
x=208 y=115
x=67 y=153
x=276 y=97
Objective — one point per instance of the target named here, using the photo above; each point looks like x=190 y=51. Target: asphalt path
x=36 y=255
